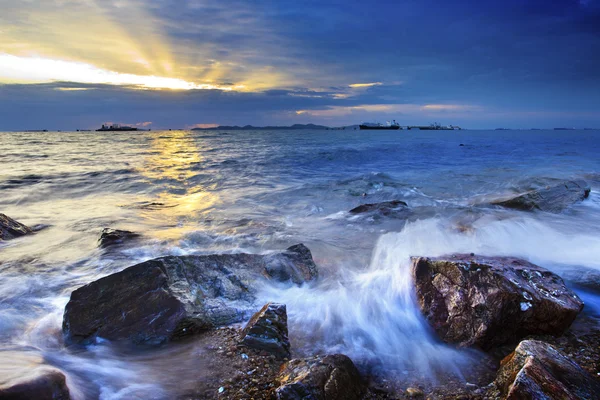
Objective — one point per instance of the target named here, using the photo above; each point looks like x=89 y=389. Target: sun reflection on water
x=172 y=165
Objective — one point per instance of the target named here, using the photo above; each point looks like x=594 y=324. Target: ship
x=377 y=126
x=437 y=127
x=116 y=128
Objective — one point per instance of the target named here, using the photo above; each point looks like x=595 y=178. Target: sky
x=76 y=64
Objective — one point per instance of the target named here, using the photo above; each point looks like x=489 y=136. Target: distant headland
x=251 y=127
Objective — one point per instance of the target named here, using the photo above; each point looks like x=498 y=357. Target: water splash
x=372 y=316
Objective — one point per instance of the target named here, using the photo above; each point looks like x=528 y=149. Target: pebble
x=414 y=392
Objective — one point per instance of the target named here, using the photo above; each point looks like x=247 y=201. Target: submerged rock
x=169 y=297
x=48 y=384
x=490 y=301
x=553 y=199
x=387 y=208
x=111 y=237
x=10 y=229
x=332 y=377
x=24 y=376
x=536 y=370
x=267 y=330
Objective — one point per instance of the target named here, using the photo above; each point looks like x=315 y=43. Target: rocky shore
x=537 y=341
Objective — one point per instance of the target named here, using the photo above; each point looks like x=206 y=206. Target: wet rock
x=332 y=377
x=111 y=237
x=489 y=301
x=170 y=297
x=10 y=229
x=267 y=330
x=295 y=264
x=31 y=382
x=552 y=199
x=387 y=208
x=537 y=370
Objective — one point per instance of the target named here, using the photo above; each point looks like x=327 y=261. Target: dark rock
x=537 y=370
x=332 y=377
x=553 y=199
x=295 y=264
x=267 y=330
x=489 y=301
x=37 y=383
x=386 y=208
x=10 y=229
x=111 y=237
x=169 y=297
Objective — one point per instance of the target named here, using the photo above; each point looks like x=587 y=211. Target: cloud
x=364 y=85
x=427 y=109
x=35 y=69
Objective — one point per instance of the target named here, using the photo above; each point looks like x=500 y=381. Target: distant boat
x=376 y=126
x=116 y=128
x=437 y=127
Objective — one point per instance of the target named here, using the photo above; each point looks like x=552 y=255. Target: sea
x=206 y=192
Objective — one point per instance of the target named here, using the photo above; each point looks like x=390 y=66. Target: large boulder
x=10 y=229
x=536 y=370
x=267 y=330
x=111 y=237
x=489 y=301
x=24 y=376
x=393 y=208
x=332 y=377
x=169 y=297
x=552 y=198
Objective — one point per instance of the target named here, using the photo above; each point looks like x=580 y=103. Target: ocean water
x=202 y=192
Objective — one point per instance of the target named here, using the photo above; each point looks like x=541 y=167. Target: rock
x=295 y=264
x=10 y=229
x=537 y=370
x=553 y=199
x=387 y=208
x=488 y=301
x=170 y=297
x=332 y=377
x=267 y=330
x=46 y=384
x=111 y=237
x=24 y=376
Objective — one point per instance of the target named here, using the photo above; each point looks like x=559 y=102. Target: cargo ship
x=116 y=128
x=390 y=126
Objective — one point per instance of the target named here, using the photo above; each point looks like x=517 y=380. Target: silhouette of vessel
x=116 y=127
x=376 y=126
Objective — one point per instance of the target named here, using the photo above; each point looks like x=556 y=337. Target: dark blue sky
x=68 y=64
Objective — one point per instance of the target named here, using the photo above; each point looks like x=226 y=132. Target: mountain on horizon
x=251 y=127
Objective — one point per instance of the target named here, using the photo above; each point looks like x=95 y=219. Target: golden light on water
x=171 y=158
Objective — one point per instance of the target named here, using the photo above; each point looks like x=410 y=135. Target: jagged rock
x=267 y=330
x=10 y=229
x=332 y=377
x=387 y=208
x=111 y=237
x=536 y=370
x=169 y=297
x=489 y=301
x=552 y=198
x=24 y=376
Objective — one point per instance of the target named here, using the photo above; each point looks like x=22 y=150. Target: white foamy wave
x=372 y=315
